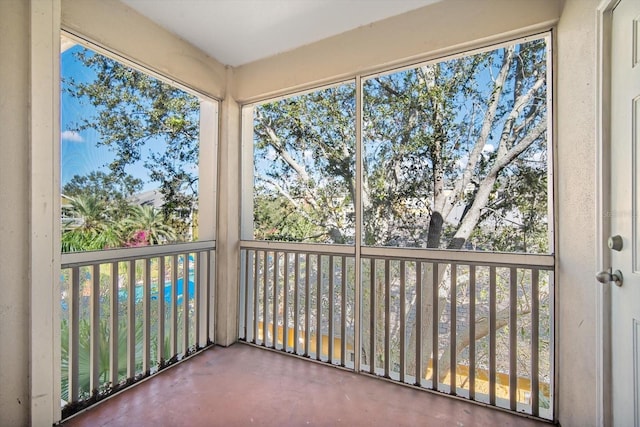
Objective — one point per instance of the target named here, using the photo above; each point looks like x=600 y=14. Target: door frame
x=604 y=18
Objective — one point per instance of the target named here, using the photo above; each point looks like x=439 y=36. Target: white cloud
x=488 y=148
x=71 y=135
x=462 y=162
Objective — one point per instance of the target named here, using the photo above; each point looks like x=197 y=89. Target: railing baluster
x=185 y=304
x=244 y=298
x=94 y=338
x=296 y=301
x=247 y=281
x=372 y=318
x=104 y=323
x=146 y=321
x=419 y=373
x=452 y=337
x=196 y=299
x=331 y=302
x=492 y=335
x=403 y=314
x=535 y=337
x=265 y=297
x=307 y=303
x=274 y=299
x=381 y=302
x=285 y=304
x=74 y=338
x=387 y=320
x=131 y=321
x=174 y=306
x=114 y=326
x=211 y=295
x=319 y=307
x=435 y=327
x=162 y=310
x=256 y=291
x=343 y=313
x=472 y=332
x=513 y=338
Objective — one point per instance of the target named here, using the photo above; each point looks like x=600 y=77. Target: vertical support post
x=42 y=184
x=357 y=298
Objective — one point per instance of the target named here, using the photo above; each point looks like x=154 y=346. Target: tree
x=454 y=157
x=143 y=121
x=112 y=190
x=148 y=227
x=88 y=225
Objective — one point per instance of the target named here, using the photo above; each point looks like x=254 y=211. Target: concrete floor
x=242 y=386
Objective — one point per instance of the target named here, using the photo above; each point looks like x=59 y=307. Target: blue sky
x=80 y=153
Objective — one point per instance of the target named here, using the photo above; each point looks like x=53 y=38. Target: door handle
x=609 y=276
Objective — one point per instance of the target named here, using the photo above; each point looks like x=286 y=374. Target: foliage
x=304 y=150
x=453 y=152
x=105 y=187
x=143 y=121
x=93 y=224
x=454 y=156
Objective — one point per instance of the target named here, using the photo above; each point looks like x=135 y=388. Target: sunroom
x=419 y=203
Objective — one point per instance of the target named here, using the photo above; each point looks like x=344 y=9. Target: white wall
x=427 y=33
x=578 y=292
x=123 y=30
x=14 y=198
x=436 y=30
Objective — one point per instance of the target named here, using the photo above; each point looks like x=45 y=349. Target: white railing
x=491 y=314
x=128 y=313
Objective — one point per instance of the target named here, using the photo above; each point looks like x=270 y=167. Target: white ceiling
x=236 y=32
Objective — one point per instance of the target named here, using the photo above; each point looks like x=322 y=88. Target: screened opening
x=438 y=176
x=456 y=153
x=138 y=168
x=304 y=167
x=130 y=151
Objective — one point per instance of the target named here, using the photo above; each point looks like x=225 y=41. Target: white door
x=625 y=212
